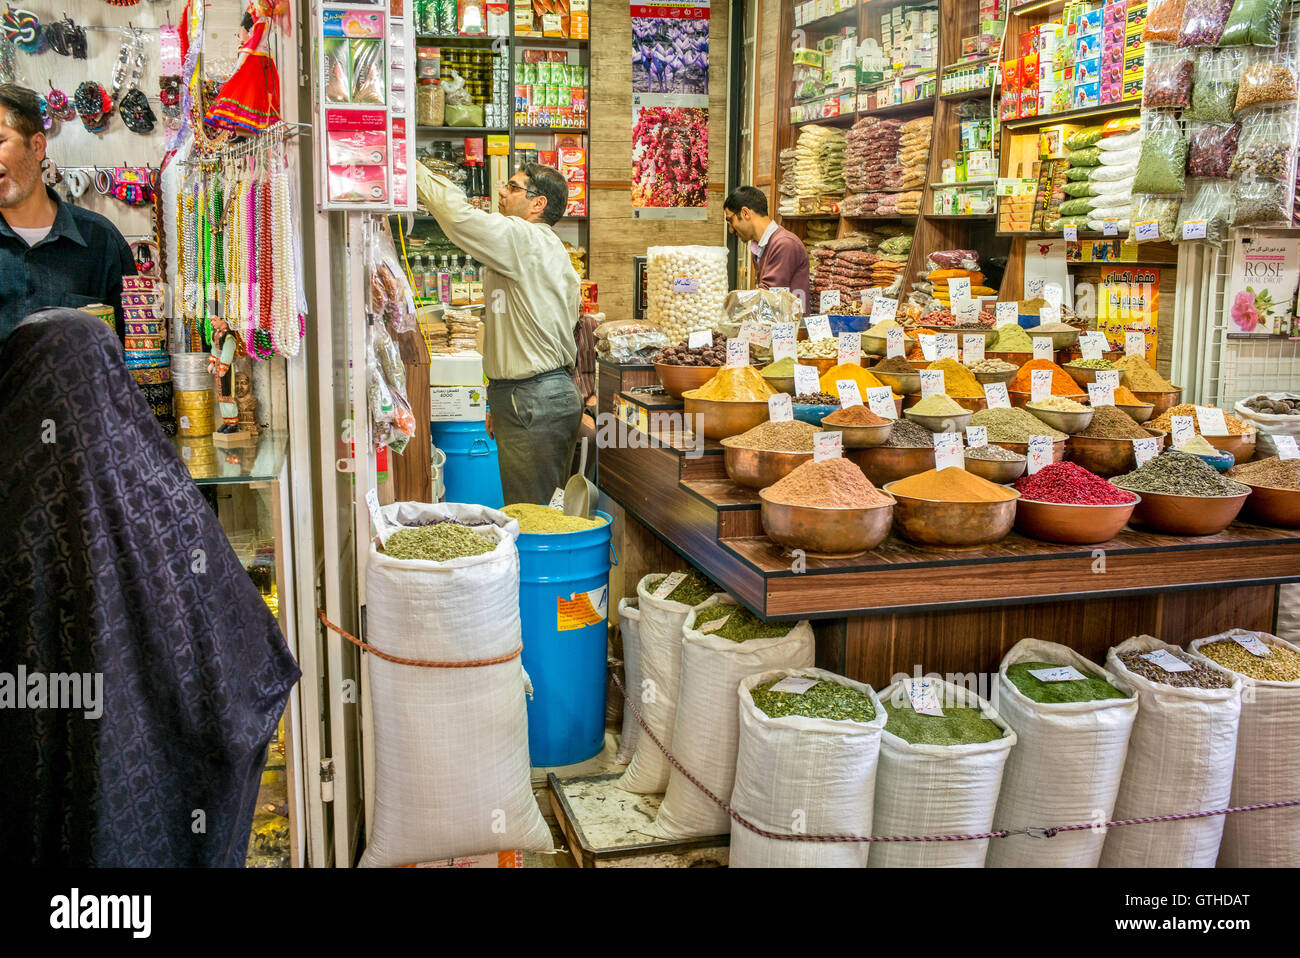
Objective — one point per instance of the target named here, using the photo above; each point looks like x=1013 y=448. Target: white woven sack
x=937 y=790
x=707 y=728
x=451 y=745
x=661 y=674
x=1066 y=766
x=812 y=775
x=1267 y=768
x=1180 y=759
x=629 y=624
x=1120 y=141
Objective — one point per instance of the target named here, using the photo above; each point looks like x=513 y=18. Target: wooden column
x=412 y=471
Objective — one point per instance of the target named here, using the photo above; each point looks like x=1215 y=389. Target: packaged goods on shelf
x=819 y=161
x=629 y=341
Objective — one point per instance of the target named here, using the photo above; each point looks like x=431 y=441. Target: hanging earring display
x=136 y=113
x=24 y=29
x=66 y=38
x=60 y=106
x=93 y=106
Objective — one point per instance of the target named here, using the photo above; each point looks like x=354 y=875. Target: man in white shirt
x=531 y=292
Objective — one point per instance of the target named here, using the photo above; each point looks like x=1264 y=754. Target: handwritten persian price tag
x=1166 y=661
x=977 y=437
x=924 y=697
x=1110 y=228
x=783 y=340
x=884 y=308
x=1099 y=395
x=894 y=341
x=1040 y=384
x=1182 y=430
x=700 y=338
x=948 y=451
x=795 y=684
x=850 y=348
x=880 y=400
x=670 y=582
x=1135 y=344
x=1092 y=345
x=827 y=445
x=849 y=395
x=870 y=295
x=819 y=327
x=945 y=346
x=928 y=346
x=966 y=311
x=1006 y=313
x=1108 y=378
x=1211 y=421
x=1040 y=453
x=995 y=394
x=713 y=625
x=931 y=382
x=1054 y=295
x=1050 y=314
x=805 y=379
x=1043 y=349
x=972 y=348
x=958 y=288
x=1062 y=673
x=383 y=526
x=1144 y=450
x=1251 y=643
x=557 y=500
x=1034 y=288
x=737 y=353
x=1286 y=447
x=828 y=300
x=1071 y=234
x=780 y=408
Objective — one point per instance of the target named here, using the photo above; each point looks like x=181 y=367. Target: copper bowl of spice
x=1139 y=413
x=1273 y=506
x=722 y=418
x=678 y=379
x=826 y=508
x=1108 y=457
x=759 y=468
x=1160 y=401
x=1187 y=515
x=952 y=508
x=1242 y=447
x=859 y=427
x=884 y=464
x=1072 y=523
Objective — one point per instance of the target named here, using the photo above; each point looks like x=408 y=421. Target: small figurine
x=220 y=357
x=247 y=403
x=250 y=100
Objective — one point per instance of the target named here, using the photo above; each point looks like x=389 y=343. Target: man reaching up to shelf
x=780 y=257
x=531 y=292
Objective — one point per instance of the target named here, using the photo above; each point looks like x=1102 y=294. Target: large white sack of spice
x=451 y=745
x=661 y=674
x=938 y=790
x=629 y=625
x=1066 y=766
x=801 y=775
x=1180 y=759
x=707 y=727
x=1267 y=767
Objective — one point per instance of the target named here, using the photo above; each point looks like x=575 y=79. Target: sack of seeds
x=1072 y=728
x=1180 y=756
x=664 y=602
x=1268 y=747
x=451 y=744
x=629 y=625
x=806 y=764
x=938 y=775
x=722 y=642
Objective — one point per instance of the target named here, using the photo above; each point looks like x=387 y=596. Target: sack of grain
x=1268 y=749
x=933 y=789
x=1180 y=759
x=451 y=744
x=804 y=775
x=1068 y=760
x=707 y=725
x=629 y=624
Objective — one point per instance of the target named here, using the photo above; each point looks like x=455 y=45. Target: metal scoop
x=580 y=492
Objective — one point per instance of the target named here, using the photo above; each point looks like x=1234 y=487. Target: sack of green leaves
x=629 y=627
x=1071 y=738
x=938 y=775
x=806 y=764
x=721 y=643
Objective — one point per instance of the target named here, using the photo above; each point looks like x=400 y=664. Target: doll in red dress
x=250 y=100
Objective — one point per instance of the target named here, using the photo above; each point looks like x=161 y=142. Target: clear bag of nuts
x=1268 y=79
x=685 y=288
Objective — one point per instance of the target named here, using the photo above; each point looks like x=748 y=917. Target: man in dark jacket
x=779 y=256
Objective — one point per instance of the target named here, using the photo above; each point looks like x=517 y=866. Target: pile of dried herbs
x=740 y=624
x=827 y=700
x=692 y=590
x=437 y=543
x=1085 y=690
x=957 y=726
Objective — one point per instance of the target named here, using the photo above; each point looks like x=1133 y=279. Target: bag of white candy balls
x=685 y=287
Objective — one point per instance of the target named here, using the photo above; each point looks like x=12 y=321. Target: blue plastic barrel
x=472 y=473
x=564 y=606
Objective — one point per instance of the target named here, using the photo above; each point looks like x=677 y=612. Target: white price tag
x=1251 y=644
x=185 y=453
x=828 y=300
x=1071 y=234
x=794 y=684
x=1006 y=313
x=894 y=342
x=1092 y=345
x=185 y=422
x=924 y=697
x=737 y=353
x=750 y=332
x=1144 y=450
x=805 y=379
x=1167 y=661
x=1110 y=228
x=849 y=395
x=1049 y=314
x=1043 y=347
x=927 y=347
x=819 y=327
x=1099 y=395
x=850 y=348
x=931 y=382
x=700 y=338
x=977 y=437
x=686 y=284
x=557 y=500
x=1062 y=673
x=1211 y=421
x=713 y=624
x=945 y=346
x=666 y=585
x=827 y=445
x=1195 y=229
x=1040 y=453
x=1054 y=295
x=783 y=341
x=1286 y=447
x=780 y=408
x=1034 y=288
x=958 y=288
x=880 y=400
x=870 y=294
x=972 y=349
x=1146 y=230
x=995 y=394
x=1040 y=384
x=966 y=311
x=383 y=526
x=948 y=451
x=1181 y=430
x=884 y=308
x=1135 y=344
x=1108 y=378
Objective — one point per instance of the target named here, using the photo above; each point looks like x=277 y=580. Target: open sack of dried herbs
x=449 y=742
x=938 y=775
x=1268 y=759
x=664 y=600
x=721 y=643
x=1072 y=728
x=806 y=760
x=1180 y=755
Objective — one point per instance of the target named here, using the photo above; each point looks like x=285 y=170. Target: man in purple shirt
x=779 y=256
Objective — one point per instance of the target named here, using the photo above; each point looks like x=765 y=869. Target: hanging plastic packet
x=357 y=184
x=1268 y=80
x=1266 y=149
x=367 y=76
x=1253 y=23
x=1164 y=21
x=1168 y=83
x=338 y=69
x=1206 y=214
x=1203 y=22
x=1163 y=158
x=1160 y=210
x=1214 y=89
x=1258 y=202
x=1211 y=148
x=357 y=147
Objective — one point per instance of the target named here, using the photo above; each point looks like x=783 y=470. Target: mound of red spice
x=1070 y=484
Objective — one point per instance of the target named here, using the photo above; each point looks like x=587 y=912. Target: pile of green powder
x=1087 y=690
x=828 y=700
x=692 y=590
x=741 y=625
x=957 y=726
x=437 y=543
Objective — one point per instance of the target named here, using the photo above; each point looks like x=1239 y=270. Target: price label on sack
x=737 y=353
x=1099 y=395
x=948 y=451
x=795 y=684
x=1146 y=230
x=783 y=340
x=1071 y=234
x=1055 y=295
x=686 y=284
x=927 y=346
x=805 y=379
x=1167 y=661
x=700 y=338
x=870 y=295
x=923 y=695
x=966 y=311
x=884 y=308
x=828 y=300
x=1195 y=229
x=1006 y=314
x=850 y=348
x=669 y=582
x=1251 y=643
x=557 y=500
x=1286 y=447
x=713 y=625
x=1034 y=287
x=384 y=526
x=1135 y=344
x=1211 y=421
x=1092 y=345
x=827 y=445
x=977 y=437
x=995 y=394
x=945 y=346
x=1144 y=450
x=1040 y=453
x=819 y=327
x=972 y=349
x=958 y=288
x=780 y=408
x=1062 y=673
x=849 y=395
x=894 y=342
x=1108 y=378
x=1182 y=430
x=880 y=400
x=1110 y=227
x=1040 y=384
x=1043 y=349
x=931 y=382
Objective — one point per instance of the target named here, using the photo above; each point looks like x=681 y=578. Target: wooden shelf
x=1037 y=6
x=1048 y=234
x=980 y=93
x=549 y=130
x=887 y=217
x=909 y=75
x=461 y=130
x=990 y=181
x=841 y=119
x=972 y=217
x=810 y=216
x=900 y=109
x=1069 y=116
x=834 y=23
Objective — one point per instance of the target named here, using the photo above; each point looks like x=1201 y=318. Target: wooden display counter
x=949 y=611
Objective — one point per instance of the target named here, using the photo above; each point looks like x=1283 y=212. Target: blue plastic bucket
x=472 y=472
x=564 y=607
